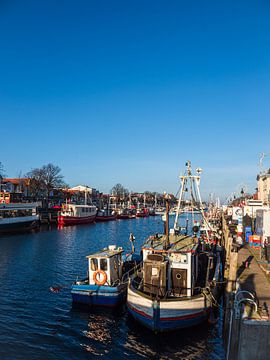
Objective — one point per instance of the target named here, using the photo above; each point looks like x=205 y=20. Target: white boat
x=15 y=217
x=180 y=274
x=73 y=214
x=76 y=214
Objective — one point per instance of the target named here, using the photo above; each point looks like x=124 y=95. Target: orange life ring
x=102 y=276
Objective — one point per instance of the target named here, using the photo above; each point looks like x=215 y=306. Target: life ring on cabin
x=102 y=277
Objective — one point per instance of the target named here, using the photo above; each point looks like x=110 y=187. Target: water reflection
x=113 y=333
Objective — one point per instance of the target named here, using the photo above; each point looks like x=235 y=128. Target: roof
x=179 y=243
x=18 y=206
x=106 y=253
x=15 y=181
x=79 y=206
x=81 y=188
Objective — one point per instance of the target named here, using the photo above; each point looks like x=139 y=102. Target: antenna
x=262 y=155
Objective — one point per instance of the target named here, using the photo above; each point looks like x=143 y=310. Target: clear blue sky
x=127 y=91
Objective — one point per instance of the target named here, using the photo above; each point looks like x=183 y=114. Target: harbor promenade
x=254 y=279
x=246 y=320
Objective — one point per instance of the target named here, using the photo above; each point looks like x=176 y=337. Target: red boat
x=142 y=212
x=72 y=214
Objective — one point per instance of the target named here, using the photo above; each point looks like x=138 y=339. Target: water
x=38 y=324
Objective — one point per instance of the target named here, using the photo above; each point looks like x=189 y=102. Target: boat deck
x=179 y=243
x=106 y=253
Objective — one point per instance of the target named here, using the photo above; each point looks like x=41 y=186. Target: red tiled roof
x=15 y=181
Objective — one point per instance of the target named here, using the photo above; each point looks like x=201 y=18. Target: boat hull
x=123 y=216
x=93 y=295
x=167 y=315
x=74 y=220
x=19 y=224
x=105 y=218
x=142 y=215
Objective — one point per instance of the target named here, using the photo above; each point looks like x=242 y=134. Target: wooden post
x=231 y=284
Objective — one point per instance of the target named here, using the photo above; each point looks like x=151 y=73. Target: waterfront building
x=15 y=185
x=263 y=180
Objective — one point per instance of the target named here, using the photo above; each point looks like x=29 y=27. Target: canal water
x=38 y=324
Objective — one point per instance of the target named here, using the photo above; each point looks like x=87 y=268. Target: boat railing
x=126 y=276
x=156 y=291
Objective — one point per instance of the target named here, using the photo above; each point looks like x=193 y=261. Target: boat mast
x=166 y=225
x=85 y=197
x=183 y=179
x=194 y=193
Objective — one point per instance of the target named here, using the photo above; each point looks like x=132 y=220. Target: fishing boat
x=73 y=214
x=106 y=284
x=142 y=212
x=178 y=281
x=106 y=215
x=16 y=217
x=124 y=214
x=152 y=212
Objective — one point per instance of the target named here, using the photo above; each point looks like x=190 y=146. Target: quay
x=247 y=300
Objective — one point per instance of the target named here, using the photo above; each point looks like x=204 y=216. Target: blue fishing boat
x=180 y=274
x=106 y=284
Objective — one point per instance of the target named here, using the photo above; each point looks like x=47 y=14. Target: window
x=94 y=264
x=103 y=264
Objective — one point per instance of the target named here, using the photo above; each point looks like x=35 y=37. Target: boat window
x=103 y=264
x=94 y=264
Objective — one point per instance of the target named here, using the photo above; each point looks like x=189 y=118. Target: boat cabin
x=170 y=272
x=78 y=210
x=17 y=210
x=106 y=266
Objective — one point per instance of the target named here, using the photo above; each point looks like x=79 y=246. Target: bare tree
x=43 y=180
x=52 y=177
x=2 y=174
x=119 y=191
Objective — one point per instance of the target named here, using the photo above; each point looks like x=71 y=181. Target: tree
x=2 y=174
x=119 y=191
x=2 y=171
x=43 y=180
x=52 y=177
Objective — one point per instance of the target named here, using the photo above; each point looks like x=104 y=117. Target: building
x=264 y=187
x=15 y=185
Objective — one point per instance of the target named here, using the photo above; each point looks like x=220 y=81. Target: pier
x=247 y=301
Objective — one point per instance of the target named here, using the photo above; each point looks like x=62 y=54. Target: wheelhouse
x=106 y=267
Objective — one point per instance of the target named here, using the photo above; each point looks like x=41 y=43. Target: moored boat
x=144 y=212
x=73 y=214
x=180 y=274
x=16 y=217
x=106 y=284
x=152 y=212
x=123 y=214
x=106 y=215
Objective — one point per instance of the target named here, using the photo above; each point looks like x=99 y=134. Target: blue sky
x=127 y=91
